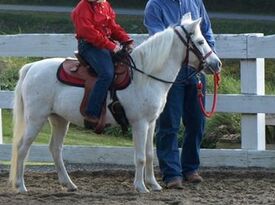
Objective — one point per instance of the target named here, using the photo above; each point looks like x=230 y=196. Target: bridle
x=193 y=48
x=202 y=65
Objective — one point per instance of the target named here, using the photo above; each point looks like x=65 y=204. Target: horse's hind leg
x=59 y=130
x=32 y=129
x=150 y=179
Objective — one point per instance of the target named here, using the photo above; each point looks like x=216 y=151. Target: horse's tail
x=18 y=122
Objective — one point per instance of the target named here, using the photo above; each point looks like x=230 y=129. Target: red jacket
x=95 y=23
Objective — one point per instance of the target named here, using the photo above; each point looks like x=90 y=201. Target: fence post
x=252 y=83
x=1 y=130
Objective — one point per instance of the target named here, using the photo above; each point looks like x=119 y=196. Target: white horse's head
x=197 y=47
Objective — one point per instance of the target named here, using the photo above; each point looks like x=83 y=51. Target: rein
x=194 y=49
x=216 y=78
x=199 y=87
x=133 y=66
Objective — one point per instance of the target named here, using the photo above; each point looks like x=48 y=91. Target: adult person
x=182 y=101
x=98 y=35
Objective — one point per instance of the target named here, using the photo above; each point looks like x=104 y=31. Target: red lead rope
x=217 y=79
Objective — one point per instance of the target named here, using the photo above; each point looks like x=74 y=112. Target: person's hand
x=129 y=47
x=119 y=52
x=117 y=48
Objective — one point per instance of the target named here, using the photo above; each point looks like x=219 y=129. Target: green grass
x=9 y=67
x=29 y=22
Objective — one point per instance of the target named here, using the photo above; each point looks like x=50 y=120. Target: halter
x=194 y=49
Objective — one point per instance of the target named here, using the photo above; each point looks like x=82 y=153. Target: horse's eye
x=201 y=42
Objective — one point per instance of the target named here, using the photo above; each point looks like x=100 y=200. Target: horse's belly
x=67 y=104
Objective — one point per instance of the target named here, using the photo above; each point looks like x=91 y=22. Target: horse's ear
x=191 y=27
x=186 y=17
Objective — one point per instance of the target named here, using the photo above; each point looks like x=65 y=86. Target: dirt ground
x=108 y=185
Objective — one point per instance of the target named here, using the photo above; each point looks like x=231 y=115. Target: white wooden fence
x=252 y=103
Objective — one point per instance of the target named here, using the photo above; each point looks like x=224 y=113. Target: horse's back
x=44 y=66
x=43 y=71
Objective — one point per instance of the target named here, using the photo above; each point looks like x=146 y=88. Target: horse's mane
x=152 y=53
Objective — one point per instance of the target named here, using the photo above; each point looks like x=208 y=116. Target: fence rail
x=252 y=103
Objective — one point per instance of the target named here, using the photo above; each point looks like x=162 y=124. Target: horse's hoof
x=22 y=190
x=157 y=190
x=142 y=190
x=156 y=187
x=72 y=189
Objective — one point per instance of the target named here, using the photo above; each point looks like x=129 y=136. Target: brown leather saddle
x=76 y=72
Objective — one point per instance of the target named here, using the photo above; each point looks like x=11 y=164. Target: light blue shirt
x=160 y=14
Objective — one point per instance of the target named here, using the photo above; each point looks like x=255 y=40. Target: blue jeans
x=100 y=61
x=182 y=103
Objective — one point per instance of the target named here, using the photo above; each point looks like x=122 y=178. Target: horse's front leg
x=140 y=130
x=150 y=179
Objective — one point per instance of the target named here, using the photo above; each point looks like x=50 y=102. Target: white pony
x=40 y=96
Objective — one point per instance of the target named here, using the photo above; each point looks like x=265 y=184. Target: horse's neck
x=167 y=71
x=173 y=63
